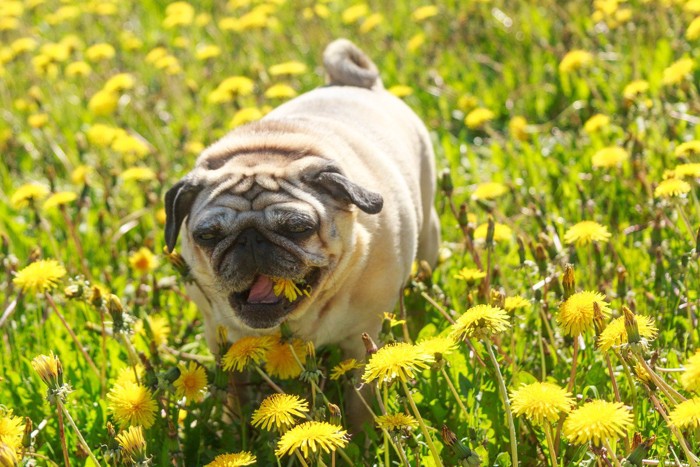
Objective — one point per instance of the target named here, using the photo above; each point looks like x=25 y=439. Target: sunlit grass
x=566 y=134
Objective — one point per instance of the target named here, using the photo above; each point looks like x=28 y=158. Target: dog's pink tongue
x=262 y=291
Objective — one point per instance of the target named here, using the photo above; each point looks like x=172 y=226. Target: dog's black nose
x=250 y=237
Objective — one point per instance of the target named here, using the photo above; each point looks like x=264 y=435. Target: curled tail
x=347 y=65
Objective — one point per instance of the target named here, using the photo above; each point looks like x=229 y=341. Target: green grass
x=500 y=55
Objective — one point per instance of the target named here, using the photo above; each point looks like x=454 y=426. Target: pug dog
x=332 y=190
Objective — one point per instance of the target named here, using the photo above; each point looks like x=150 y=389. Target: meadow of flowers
x=560 y=327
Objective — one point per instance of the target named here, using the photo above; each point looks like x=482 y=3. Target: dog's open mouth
x=264 y=305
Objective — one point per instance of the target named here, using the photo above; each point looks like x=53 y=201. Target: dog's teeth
x=262 y=291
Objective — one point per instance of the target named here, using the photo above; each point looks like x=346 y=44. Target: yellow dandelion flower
x=59 y=199
x=80 y=69
x=480 y=320
x=31 y=192
x=686 y=415
x=288 y=68
x=575 y=60
x=634 y=89
x=245 y=115
x=693 y=31
x=132 y=441
x=102 y=135
x=415 y=42
x=191 y=382
x=205 y=52
x=344 y=367
x=677 y=71
x=424 y=12
x=690 y=378
x=11 y=430
x=354 y=13
x=23 y=45
x=400 y=360
x=672 y=187
x=501 y=233
x=245 y=351
x=99 y=52
x=371 y=22
x=611 y=156
x=280 y=91
x=159 y=330
x=287 y=288
x=279 y=411
x=585 y=232
x=143 y=261
x=129 y=374
x=119 y=82
x=178 y=14
x=478 y=117
x=138 y=174
x=616 y=334
x=240 y=85
x=518 y=128
x=103 y=103
x=40 y=276
x=400 y=90
x=79 y=175
x=132 y=404
x=576 y=313
x=310 y=436
x=489 y=190
x=280 y=362
x=687 y=170
x=596 y=123
x=437 y=345
x=470 y=275
x=396 y=422
x=597 y=421
x=233 y=460
x=38 y=120
x=127 y=144
x=49 y=368
x=541 y=402
x=515 y=303
x=687 y=149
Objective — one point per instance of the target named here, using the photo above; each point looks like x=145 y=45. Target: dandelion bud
x=641 y=448
x=335 y=414
x=598 y=319
x=498 y=298
x=521 y=250
x=446 y=184
x=49 y=369
x=621 y=281
x=370 y=346
x=490 y=231
x=133 y=443
x=569 y=281
x=178 y=262
x=286 y=332
x=463 y=218
x=311 y=371
x=222 y=339
x=73 y=291
x=96 y=299
x=466 y=456
x=631 y=326
x=116 y=311
x=541 y=257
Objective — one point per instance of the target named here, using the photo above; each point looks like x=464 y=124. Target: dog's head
x=261 y=207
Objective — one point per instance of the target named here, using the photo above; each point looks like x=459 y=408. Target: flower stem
x=267 y=379
x=72 y=334
x=77 y=431
x=674 y=396
x=550 y=444
x=454 y=392
x=301 y=458
x=506 y=402
x=692 y=459
x=611 y=453
x=62 y=433
x=421 y=423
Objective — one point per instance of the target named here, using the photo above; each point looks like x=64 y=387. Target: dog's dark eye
x=207 y=237
x=298 y=226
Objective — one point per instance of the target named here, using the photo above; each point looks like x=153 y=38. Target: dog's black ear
x=178 y=203
x=342 y=189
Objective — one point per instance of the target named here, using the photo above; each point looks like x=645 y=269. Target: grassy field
x=568 y=145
